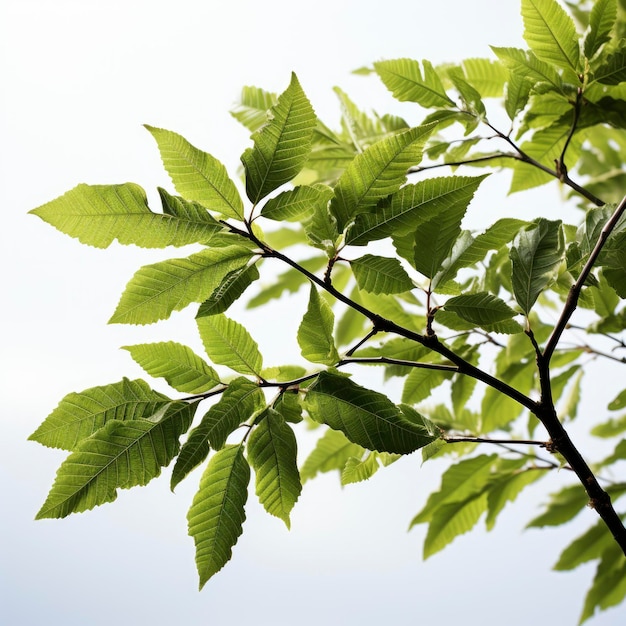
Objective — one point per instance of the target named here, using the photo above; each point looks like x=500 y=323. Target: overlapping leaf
x=331 y=452
x=482 y=309
x=183 y=370
x=297 y=204
x=230 y=289
x=282 y=146
x=98 y=214
x=155 y=291
x=238 y=403
x=601 y=21
x=377 y=172
x=80 y=415
x=366 y=417
x=272 y=452
x=217 y=513
x=378 y=274
x=315 y=333
x=197 y=176
x=121 y=454
x=228 y=343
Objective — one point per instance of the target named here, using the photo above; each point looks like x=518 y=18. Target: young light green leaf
x=517 y=92
x=452 y=520
x=272 y=453
x=481 y=308
x=80 y=415
x=377 y=172
x=155 y=291
x=613 y=70
x=564 y=505
x=366 y=417
x=96 y=215
x=217 y=514
x=536 y=255
x=296 y=205
x=378 y=274
x=404 y=78
x=486 y=75
x=601 y=21
x=121 y=454
x=239 y=402
x=357 y=470
x=420 y=382
x=588 y=547
x=197 y=176
x=315 y=333
x=230 y=289
x=526 y=65
x=253 y=107
x=281 y=147
x=331 y=452
x=551 y=34
x=413 y=205
x=228 y=343
x=181 y=367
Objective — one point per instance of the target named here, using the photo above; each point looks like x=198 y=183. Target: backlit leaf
x=331 y=452
x=357 y=470
x=315 y=333
x=601 y=21
x=230 y=289
x=378 y=274
x=217 y=514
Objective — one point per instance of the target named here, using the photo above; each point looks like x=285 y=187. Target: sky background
x=79 y=78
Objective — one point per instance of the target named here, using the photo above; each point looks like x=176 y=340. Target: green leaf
x=458 y=484
x=156 y=290
x=181 y=367
x=551 y=34
x=420 y=382
x=357 y=470
x=80 y=415
x=564 y=506
x=230 y=289
x=297 y=204
x=121 y=454
x=452 y=520
x=197 y=176
x=517 y=93
x=613 y=70
x=377 y=172
x=486 y=75
x=281 y=146
x=366 y=417
x=536 y=255
x=610 y=428
x=331 y=452
x=404 y=78
x=482 y=309
x=588 y=547
x=217 y=514
x=601 y=22
x=526 y=65
x=506 y=489
x=378 y=274
x=228 y=343
x=412 y=205
x=272 y=452
x=239 y=402
x=315 y=333
x=253 y=107
x=469 y=95
x=96 y=215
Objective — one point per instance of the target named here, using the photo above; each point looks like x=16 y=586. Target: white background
x=79 y=78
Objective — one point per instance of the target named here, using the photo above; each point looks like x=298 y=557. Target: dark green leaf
x=601 y=22
x=315 y=333
x=230 y=289
x=378 y=274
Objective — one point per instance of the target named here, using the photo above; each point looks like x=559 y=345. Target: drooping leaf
x=183 y=370
x=331 y=452
x=228 y=343
x=98 y=214
x=378 y=274
x=230 y=289
x=253 y=107
x=536 y=255
x=613 y=70
x=238 y=403
x=121 y=454
x=272 y=452
x=295 y=205
x=564 y=505
x=217 y=514
x=517 y=93
x=601 y=20
x=197 y=176
x=156 y=290
x=357 y=470
x=551 y=34
x=420 y=382
x=366 y=417
x=405 y=79
x=80 y=415
x=377 y=172
x=610 y=428
x=281 y=146
x=589 y=546
x=413 y=205
x=315 y=333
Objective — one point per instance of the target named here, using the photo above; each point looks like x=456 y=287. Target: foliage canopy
x=374 y=246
